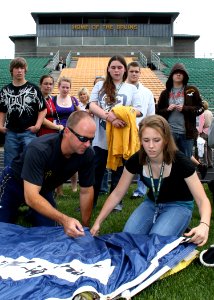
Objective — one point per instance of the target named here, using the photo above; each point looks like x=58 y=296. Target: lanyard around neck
x=155 y=192
x=48 y=104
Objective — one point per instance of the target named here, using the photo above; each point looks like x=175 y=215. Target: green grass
x=194 y=282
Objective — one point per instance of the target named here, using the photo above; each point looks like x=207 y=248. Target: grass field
x=195 y=282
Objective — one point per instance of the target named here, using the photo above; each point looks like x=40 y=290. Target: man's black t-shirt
x=43 y=164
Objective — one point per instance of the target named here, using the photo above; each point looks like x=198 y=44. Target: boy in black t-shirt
x=22 y=111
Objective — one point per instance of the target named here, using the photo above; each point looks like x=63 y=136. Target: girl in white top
x=104 y=96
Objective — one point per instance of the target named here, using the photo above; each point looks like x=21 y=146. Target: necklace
x=63 y=101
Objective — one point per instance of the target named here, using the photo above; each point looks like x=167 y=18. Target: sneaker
x=102 y=192
x=136 y=196
x=118 y=207
x=202 y=170
x=207 y=257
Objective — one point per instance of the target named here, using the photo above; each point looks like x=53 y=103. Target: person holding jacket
x=105 y=95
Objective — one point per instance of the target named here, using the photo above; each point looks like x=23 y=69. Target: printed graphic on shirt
x=176 y=96
x=121 y=99
x=22 y=102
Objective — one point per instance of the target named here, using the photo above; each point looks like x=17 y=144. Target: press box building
x=104 y=33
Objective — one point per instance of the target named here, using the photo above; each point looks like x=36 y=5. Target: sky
x=195 y=18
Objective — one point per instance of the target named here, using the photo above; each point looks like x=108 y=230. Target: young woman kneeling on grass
x=173 y=185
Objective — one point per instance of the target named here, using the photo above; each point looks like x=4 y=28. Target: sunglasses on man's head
x=81 y=138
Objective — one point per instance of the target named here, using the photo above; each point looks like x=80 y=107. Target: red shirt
x=51 y=113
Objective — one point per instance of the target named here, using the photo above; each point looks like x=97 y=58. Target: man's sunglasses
x=81 y=138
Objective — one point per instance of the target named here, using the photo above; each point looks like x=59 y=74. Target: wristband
x=205 y=224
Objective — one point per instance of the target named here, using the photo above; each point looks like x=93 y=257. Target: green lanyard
x=155 y=192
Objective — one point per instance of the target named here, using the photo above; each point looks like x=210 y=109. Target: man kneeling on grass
x=49 y=161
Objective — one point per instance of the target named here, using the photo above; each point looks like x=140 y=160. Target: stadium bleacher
x=87 y=68
x=37 y=66
x=201 y=73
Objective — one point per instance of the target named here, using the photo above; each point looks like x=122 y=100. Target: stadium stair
x=87 y=68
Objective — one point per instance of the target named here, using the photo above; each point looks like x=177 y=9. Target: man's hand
x=33 y=129
x=179 y=107
x=171 y=107
x=3 y=130
x=72 y=227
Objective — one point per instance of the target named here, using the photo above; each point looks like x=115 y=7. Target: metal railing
x=68 y=60
x=142 y=59
x=155 y=60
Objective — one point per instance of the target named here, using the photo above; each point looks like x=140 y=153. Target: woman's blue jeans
x=172 y=219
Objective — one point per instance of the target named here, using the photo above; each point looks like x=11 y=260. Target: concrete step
x=55 y=75
x=163 y=78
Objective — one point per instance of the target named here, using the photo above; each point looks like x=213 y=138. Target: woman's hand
x=111 y=117
x=199 y=234
x=119 y=123
x=60 y=127
x=95 y=229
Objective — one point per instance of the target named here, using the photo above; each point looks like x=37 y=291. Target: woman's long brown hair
x=162 y=126
x=108 y=86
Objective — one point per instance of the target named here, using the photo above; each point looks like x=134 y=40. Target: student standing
x=48 y=126
x=180 y=104
x=148 y=108
x=65 y=105
x=22 y=111
x=113 y=91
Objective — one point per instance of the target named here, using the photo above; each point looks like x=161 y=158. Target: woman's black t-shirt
x=173 y=187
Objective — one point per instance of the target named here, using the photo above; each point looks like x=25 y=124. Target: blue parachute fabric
x=44 y=263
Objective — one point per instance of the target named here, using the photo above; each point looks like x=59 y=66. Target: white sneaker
x=118 y=207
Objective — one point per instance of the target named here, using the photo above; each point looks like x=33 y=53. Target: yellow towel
x=122 y=142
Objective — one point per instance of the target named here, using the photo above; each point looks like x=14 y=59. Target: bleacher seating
x=37 y=66
x=87 y=68
x=201 y=74
x=150 y=80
